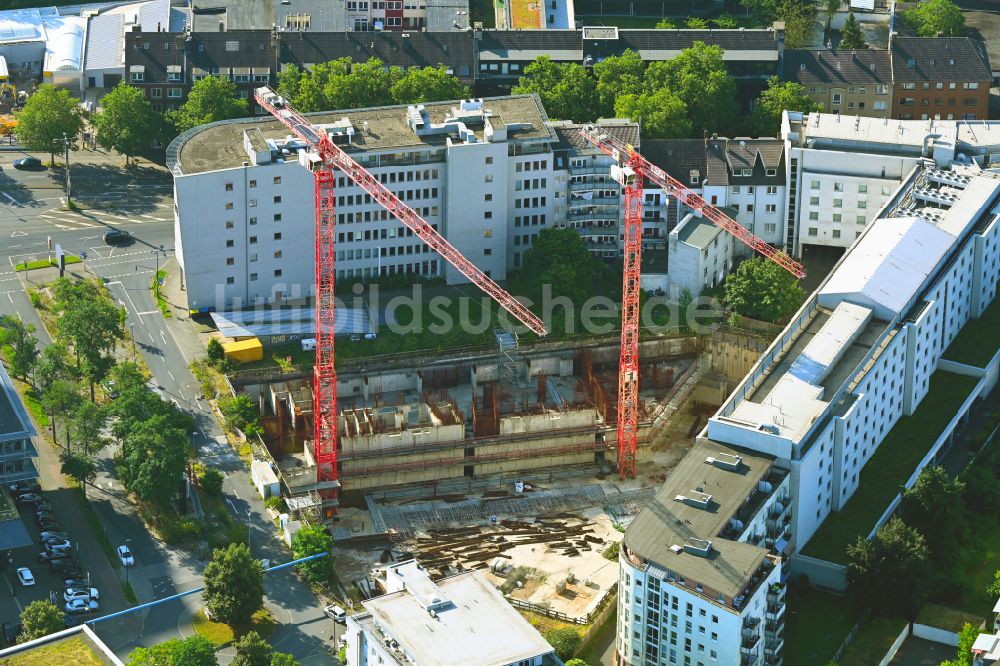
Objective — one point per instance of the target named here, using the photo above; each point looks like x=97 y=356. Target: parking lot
x=93 y=564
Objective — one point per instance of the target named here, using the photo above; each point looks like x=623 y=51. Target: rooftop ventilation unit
x=726 y=461
x=699 y=547
x=695 y=498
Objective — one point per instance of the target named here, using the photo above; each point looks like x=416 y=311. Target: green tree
x=310 y=540
x=88 y=421
x=800 y=19
x=59 y=400
x=565 y=641
x=666 y=24
x=238 y=411
x=40 y=618
x=282 y=659
x=567 y=90
x=290 y=82
x=777 y=97
x=23 y=345
x=934 y=507
x=559 y=258
x=194 y=651
x=851 y=36
x=252 y=650
x=428 y=84
x=928 y=18
x=211 y=481
x=53 y=363
x=577 y=662
x=725 y=21
x=963 y=654
x=993 y=589
x=830 y=7
x=214 y=350
x=699 y=78
x=696 y=23
x=762 y=289
x=152 y=458
x=212 y=98
x=234 y=585
x=91 y=323
x=126 y=121
x=49 y=115
x=80 y=466
x=617 y=76
x=661 y=114
x=891 y=572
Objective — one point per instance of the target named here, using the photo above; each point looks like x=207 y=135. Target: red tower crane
x=630 y=170
x=333 y=157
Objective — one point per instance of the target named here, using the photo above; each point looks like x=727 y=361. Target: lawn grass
x=34 y=404
x=160 y=301
x=891 y=465
x=945 y=617
x=482 y=11
x=872 y=642
x=73 y=650
x=44 y=263
x=98 y=529
x=977 y=343
x=129 y=592
x=222 y=634
x=982 y=561
x=816 y=623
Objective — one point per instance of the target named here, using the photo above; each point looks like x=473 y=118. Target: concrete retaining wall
x=820 y=572
x=896 y=644
x=935 y=634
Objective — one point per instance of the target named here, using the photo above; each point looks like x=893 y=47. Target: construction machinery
x=629 y=170
x=328 y=158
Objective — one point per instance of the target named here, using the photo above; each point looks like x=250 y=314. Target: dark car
x=10 y=633
x=117 y=237
x=72 y=571
x=44 y=517
x=29 y=498
x=28 y=163
x=48 y=525
x=63 y=565
x=21 y=487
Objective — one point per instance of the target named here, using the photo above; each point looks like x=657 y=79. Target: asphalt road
x=139 y=201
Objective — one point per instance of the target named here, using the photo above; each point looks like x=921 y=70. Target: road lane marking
x=12 y=199
x=172 y=377
x=18 y=234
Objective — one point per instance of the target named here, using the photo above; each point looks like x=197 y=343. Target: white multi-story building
x=702 y=580
x=840 y=170
x=461 y=620
x=699 y=255
x=860 y=352
x=481 y=172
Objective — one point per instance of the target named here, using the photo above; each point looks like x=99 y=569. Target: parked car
x=47 y=537
x=25 y=577
x=61 y=564
x=44 y=516
x=44 y=505
x=10 y=633
x=125 y=555
x=60 y=549
x=80 y=593
x=72 y=571
x=48 y=524
x=27 y=163
x=76 y=582
x=336 y=613
x=21 y=487
x=82 y=606
x=117 y=237
x=29 y=498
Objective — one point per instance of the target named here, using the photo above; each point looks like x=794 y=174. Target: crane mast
x=629 y=170
x=325 y=377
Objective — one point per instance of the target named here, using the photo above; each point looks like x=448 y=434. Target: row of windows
x=529 y=220
x=940 y=86
x=839 y=187
x=750 y=189
x=925 y=101
x=863 y=90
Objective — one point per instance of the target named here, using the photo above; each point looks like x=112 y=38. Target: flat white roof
x=478 y=627
x=64 y=48
x=826 y=348
x=21 y=25
x=856 y=129
x=888 y=265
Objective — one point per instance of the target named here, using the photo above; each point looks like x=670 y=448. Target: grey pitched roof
x=452 y=49
x=678 y=157
x=831 y=66
x=104 y=41
x=568 y=135
x=560 y=45
x=726 y=155
x=939 y=59
x=206 y=50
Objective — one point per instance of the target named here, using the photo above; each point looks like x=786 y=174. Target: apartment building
x=480 y=171
x=456 y=621
x=699 y=255
x=860 y=352
x=591 y=201
x=940 y=78
x=851 y=82
x=17 y=450
x=702 y=577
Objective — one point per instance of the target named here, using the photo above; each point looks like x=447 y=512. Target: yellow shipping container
x=244 y=351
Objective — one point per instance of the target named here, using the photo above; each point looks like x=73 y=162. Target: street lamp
x=65 y=141
x=131 y=328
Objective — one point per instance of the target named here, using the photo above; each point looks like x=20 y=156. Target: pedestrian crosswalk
x=99 y=218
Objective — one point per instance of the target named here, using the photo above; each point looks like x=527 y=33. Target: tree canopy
x=40 y=618
x=761 y=289
x=252 y=650
x=310 y=540
x=126 y=121
x=698 y=76
x=212 y=98
x=193 y=651
x=931 y=17
x=891 y=572
x=49 y=115
x=567 y=90
x=616 y=77
x=91 y=323
x=234 y=585
x=152 y=458
x=661 y=114
x=427 y=84
x=934 y=507
x=559 y=257
x=778 y=97
x=564 y=641
x=799 y=17
x=23 y=345
x=851 y=36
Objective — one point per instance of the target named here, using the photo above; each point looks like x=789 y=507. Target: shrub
x=276 y=503
x=215 y=351
x=611 y=552
x=211 y=481
x=565 y=641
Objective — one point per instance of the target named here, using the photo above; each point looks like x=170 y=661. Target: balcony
x=592 y=184
x=773 y=660
x=749 y=660
x=774 y=646
x=775 y=611
x=776 y=593
x=734 y=528
x=751 y=637
x=593 y=201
